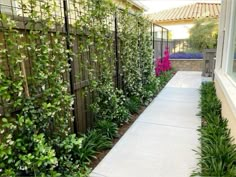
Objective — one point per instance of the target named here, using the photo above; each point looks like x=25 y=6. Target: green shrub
x=164 y=77
x=36 y=140
x=109 y=104
x=203 y=35
x=217 y=154
x=150 y=90
x=68 y=153
x=27 y=156
x=76 y=153
x=93 y=142
x=107 y=128
x=133 y=104
x=209 y=103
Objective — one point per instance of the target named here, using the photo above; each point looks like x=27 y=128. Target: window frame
x=232 y=43
x=224 y=53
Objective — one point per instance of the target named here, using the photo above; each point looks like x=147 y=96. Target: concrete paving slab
x=170 y=114
x=183 y=79
x=161 y=141
x=179 y=94
x=166 y=118
x=177 y=107
x=152 y=151
x=93 y=174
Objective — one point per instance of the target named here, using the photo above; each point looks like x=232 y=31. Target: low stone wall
x=187 y=64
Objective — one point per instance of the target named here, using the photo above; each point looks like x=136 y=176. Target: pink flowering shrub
x=163 y=64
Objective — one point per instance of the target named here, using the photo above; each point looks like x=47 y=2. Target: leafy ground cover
x=217 y=153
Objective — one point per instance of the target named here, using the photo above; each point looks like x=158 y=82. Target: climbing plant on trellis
x=36 y=135
x=40 y=96
x=136 y=56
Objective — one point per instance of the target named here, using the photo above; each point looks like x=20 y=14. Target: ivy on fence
x=149 y=81
x=36 y=139
x=108 y=100
x=130 y=58
x=30 y=136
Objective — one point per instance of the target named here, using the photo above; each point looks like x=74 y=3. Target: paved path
x=161 y=141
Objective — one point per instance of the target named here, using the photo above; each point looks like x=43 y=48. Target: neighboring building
x=129 y=3
x=8 y=6
x=11 y=6
x=179 y=20
x=225 y=71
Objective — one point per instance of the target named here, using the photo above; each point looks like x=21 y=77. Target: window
x=232 y=66
x=232 y=48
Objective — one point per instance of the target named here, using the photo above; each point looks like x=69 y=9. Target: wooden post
x=26 y=87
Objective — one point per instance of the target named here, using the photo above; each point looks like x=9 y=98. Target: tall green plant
x=29 y=138
x=130 y=56
x=36 y=140
x=203 y=35
x=149 y=80
x=108 y=103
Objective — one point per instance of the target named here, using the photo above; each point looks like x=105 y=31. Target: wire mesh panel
x=80 y=39
x=33 y=47
x=179 y=45
x=160 y=38
x=89 y=31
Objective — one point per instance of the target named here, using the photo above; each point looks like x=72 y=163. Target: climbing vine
x=108 y=103
x=130 y=58
x=30 y=137
x=35 y=134
x=149 y=81
x=136 y=56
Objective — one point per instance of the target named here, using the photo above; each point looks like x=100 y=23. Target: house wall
x=227 y=110
x=187 y=64
x=124 y=3
x=224 y=80
x=179 y=31
x=6 y=6
x=10 y=7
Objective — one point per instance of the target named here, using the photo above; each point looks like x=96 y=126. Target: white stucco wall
x=6 y=6
x=225 y=83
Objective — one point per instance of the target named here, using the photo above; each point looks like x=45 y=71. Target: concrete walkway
x=161 y=141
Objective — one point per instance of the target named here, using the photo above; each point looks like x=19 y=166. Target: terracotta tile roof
x=188 y=12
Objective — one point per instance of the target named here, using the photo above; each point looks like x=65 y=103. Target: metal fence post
x=162 y=43
x=69 y=59
x=116 y=52
x=167 y=35
x=153 y=39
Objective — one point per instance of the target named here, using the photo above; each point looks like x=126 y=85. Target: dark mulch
x=121 y=132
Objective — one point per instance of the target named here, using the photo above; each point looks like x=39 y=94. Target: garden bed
x=217 y=154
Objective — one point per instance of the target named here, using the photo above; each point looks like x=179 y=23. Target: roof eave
x=189 y=13
x=178 y=20
x=136 y=5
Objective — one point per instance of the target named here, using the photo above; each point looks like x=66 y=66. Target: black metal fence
x=160 y=40
x=179 y=45
x=66 y=13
